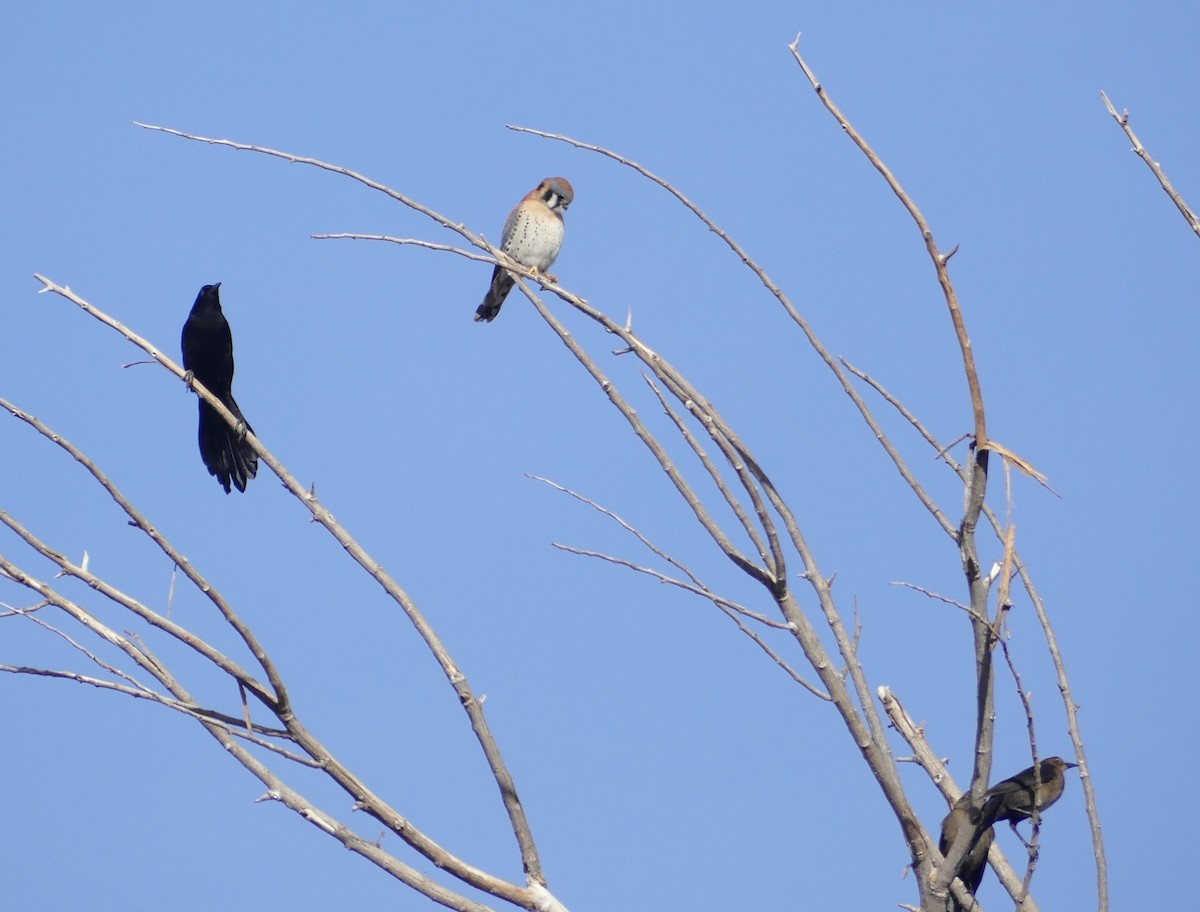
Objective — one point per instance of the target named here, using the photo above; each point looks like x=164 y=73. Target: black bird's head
x=209 y=298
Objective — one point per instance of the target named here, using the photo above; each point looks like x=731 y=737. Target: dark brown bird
x=970 y=869
x=1013 y=799
x=208 y=357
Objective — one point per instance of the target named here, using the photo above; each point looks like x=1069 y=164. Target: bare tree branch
x=231 y=724
x=940 y=260
x=454 y=676
x=1122 y=120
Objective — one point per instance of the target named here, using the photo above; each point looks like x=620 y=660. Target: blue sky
x=663 y=762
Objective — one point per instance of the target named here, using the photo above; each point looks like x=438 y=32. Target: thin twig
x=131 y=683
x=498 y=260
x=324 y=166
x=231 y=724
x=1031 y=847
x=1122 y=120
x=14 y=611
x=729 y=608
x=694 y=588
x=654 y=549
x=936 y=596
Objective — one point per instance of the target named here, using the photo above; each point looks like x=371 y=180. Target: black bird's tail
x=970 y=869
x=226 y=453
x=502 y=283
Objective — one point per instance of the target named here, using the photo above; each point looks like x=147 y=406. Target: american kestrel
x=532 y=236
x=208 y=357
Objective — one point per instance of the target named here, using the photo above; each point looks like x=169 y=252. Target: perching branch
x=935 y=768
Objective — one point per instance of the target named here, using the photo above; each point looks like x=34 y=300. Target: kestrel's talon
x=532 y=236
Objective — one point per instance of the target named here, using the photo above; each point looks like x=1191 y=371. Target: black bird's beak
x=216 y=284
x=1070 y=766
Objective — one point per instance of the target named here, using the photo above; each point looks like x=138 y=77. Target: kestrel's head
x=555 y=192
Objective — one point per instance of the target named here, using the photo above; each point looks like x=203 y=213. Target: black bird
x=208 y=357
x=970 y=869
x=1013 y=799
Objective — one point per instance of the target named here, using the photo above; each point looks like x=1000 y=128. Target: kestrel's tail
x=502 y=283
